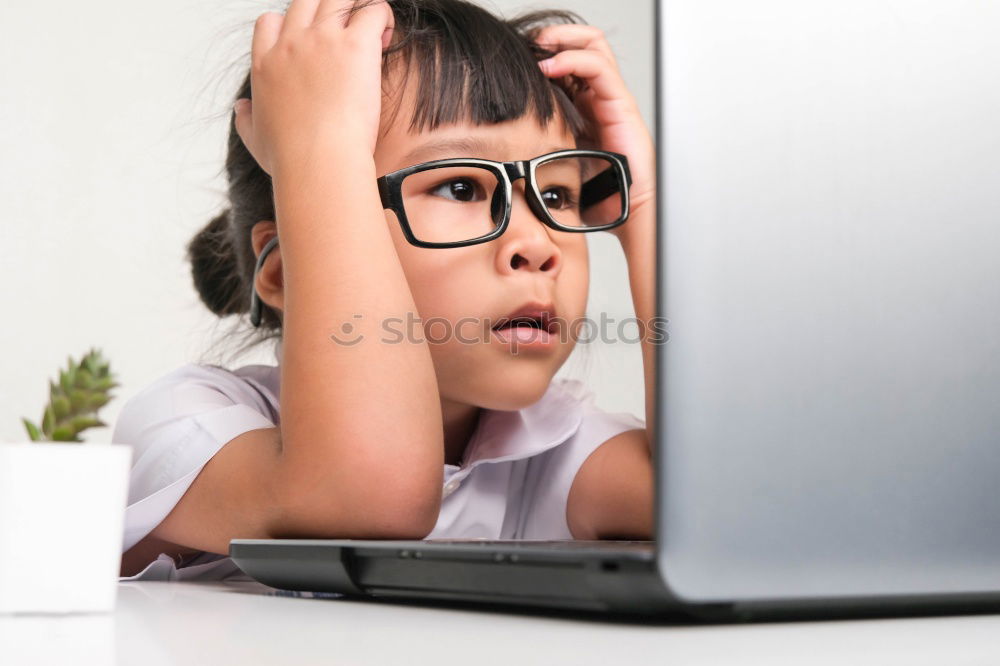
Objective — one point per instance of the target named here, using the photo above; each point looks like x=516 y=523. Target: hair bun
x=214 y=267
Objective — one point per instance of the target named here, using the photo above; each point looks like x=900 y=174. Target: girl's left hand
x=583 y=51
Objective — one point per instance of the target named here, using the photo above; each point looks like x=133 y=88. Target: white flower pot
x=62 y=509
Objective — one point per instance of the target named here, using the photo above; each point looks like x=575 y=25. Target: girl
x=425 y=277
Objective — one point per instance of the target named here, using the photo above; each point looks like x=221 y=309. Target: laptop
x=829 y=398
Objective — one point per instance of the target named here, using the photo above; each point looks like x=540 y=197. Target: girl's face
x=461 y=292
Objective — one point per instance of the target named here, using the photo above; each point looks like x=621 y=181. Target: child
x=416 y=353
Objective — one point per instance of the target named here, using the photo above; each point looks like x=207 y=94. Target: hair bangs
x=476 y=67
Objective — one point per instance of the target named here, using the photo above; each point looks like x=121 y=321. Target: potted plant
x=62 y=503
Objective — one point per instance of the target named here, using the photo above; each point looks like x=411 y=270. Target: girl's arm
x=610 y=106
x=612 y=494
x=361 y=428
x=359 y=452
x=639 y=244
x=362 y=442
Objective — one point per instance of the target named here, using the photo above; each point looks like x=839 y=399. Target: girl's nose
x=527 y=244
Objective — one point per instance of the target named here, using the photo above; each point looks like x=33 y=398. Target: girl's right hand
x=316 y=82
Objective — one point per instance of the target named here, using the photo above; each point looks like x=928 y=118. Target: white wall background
x=113 y=120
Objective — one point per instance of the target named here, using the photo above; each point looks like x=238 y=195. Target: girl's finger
x=299 y=15
x=387 y=33
x=375 y=17
x=243 y=121
x=241 y=117
x=265 y=34
x=575 y=36
x=600 y=75
x=334 y=9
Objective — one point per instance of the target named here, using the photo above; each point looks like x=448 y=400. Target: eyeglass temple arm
x=255 y=302
x=602 y=186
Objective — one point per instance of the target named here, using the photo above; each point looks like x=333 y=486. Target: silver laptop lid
x=830 y=176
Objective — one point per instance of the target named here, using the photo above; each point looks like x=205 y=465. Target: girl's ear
x=260 y=234
x=269 y=281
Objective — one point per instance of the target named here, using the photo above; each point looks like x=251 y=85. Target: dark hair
x=456 y=45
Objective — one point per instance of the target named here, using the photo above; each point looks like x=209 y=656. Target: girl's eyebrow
x=459 y=147
x=468 y=145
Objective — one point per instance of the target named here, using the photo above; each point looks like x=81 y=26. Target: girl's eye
x=460 y=189
x=559 y=198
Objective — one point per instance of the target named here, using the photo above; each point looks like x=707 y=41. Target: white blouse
x=513 y=483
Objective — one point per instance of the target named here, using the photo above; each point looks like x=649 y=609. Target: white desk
x=242 y=623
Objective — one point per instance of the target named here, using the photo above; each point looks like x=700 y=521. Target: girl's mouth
x=529 y=327
x=521 y=335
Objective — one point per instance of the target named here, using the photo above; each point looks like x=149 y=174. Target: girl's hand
x=584 y=52
x=316 y=79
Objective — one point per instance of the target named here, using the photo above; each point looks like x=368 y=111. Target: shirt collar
x=503 y=436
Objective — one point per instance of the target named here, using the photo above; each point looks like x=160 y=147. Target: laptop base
x=603 y=576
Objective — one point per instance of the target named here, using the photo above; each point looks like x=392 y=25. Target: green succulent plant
x=82 y=389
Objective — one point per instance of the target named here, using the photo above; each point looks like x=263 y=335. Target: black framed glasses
x=465 y=201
